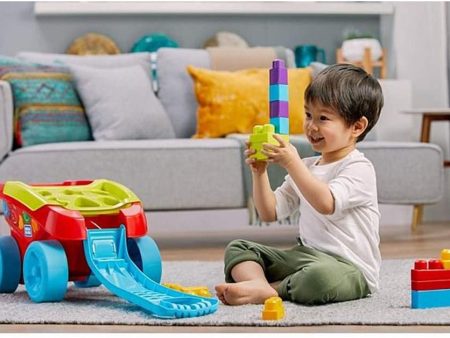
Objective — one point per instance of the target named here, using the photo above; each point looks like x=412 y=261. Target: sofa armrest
x=6 y=119
x=409 y=173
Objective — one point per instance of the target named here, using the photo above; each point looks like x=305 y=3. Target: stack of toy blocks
x=279 y=111
x=430 y=282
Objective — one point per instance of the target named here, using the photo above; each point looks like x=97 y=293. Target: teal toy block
x=430 y=298
x=279 y=92
x=281 y=125
x=263 y=134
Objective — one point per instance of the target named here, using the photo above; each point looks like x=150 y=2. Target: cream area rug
x=389 y=306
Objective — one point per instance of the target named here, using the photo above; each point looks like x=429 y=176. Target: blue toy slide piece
x=144 y=253
x=10 y=266
x=107 y=256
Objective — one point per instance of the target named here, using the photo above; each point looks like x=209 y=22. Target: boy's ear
x=360 y=126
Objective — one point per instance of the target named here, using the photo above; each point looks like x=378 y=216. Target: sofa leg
x=417 y=216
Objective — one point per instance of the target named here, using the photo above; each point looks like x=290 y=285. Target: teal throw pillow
x=47 y=108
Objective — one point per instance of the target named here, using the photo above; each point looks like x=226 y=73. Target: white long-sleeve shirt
x=352 y=231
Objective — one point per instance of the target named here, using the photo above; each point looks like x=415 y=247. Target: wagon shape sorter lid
x=98 y=197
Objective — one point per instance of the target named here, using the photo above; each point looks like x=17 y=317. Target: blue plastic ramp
x=107 y=256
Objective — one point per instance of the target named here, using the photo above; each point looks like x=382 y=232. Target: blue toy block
x=281 y=125
x=430 y=298
x=278 y=92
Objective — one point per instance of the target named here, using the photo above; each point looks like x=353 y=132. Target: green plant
x=353 y=33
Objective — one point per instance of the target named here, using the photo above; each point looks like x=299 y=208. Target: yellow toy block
x=263 y=134
x=201 y=291
x=273 y=309
x=445 y=258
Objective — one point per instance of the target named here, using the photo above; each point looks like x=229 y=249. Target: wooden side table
x=428 y=115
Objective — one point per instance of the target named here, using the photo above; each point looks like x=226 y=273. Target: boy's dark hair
x=350 y=91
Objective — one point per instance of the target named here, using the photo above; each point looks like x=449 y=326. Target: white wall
x=416 y=37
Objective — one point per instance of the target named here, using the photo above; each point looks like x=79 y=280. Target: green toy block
x=263 y=134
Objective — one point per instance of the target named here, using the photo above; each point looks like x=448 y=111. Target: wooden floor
x=396 y=242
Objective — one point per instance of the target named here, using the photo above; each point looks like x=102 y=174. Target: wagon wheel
x=45 y=271
x=10 y=265
x=145 y=254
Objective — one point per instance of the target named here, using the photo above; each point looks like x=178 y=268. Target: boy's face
x=326 y=130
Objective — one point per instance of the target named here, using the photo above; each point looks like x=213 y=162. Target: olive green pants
x=305 y=275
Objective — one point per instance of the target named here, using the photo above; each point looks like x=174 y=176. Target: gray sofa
x=191 y=174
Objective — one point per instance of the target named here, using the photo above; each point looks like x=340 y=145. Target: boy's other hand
x=256 y=166
x=284 y=155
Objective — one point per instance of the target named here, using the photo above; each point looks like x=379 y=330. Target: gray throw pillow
x=120 y=103
x=317 y=67
x=98 y=61
x=176 y=88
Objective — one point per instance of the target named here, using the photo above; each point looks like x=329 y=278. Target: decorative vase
x=353 y=50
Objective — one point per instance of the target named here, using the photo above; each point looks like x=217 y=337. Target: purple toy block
x=278 y=76
x=279 y=109
x=278 y=63
x=278 y=73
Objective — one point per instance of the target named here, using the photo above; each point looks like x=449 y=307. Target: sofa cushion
x=232 y=58
x=164 y=174
x=422 y=184
x=424 y=181
x=234 y=102
x=46 y=105
x=120 y=103
x=6 y=119
x=176 y=90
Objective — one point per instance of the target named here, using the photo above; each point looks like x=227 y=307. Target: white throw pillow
x=120 y=103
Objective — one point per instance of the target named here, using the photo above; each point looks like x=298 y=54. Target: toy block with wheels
x=91 y=233
x=430 y=282
x=279 y=112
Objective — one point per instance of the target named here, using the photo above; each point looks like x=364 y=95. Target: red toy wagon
x=91 y=233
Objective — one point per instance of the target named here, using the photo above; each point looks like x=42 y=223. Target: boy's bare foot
x=220 y=291
x=246 y=292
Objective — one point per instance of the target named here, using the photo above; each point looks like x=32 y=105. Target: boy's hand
x=257 y=166
x=284 y=155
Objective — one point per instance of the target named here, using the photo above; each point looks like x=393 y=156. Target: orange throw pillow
x=234 y=102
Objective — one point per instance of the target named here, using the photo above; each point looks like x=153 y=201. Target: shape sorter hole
x=99 y=192
x=45 y=193
x=71 y=192
x=109 y=201
x=83 y=202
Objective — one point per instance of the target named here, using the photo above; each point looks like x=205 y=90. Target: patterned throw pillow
x=233 y=102
x=47 y=108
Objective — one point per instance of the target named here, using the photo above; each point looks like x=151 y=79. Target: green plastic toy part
x=263 y=134
x=98 y=197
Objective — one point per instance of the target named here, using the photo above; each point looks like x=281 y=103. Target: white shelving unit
x=212 y=7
